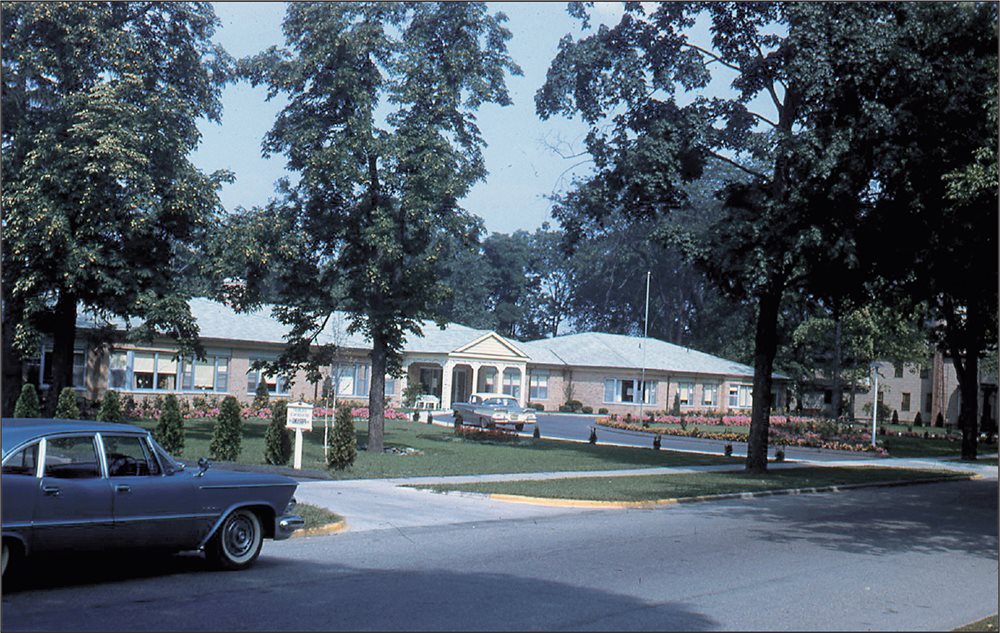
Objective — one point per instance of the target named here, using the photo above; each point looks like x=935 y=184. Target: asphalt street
x=920 y=557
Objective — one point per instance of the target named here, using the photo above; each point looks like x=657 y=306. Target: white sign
x=300 y=416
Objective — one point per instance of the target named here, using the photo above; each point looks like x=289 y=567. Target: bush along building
x=592 y=372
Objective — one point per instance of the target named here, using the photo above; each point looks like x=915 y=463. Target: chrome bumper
x=286 y=524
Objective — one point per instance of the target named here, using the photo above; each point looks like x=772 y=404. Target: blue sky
x=524 y=168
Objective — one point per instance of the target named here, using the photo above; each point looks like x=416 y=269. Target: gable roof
x=598 y=349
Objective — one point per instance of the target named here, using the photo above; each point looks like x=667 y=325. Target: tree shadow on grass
x=182 y=593
x=956 y=517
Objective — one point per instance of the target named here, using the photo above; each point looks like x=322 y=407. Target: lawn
x=440 y=452
x=315 y=516
x=653 y=487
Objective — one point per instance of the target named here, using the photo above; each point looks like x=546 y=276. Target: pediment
x=491 y=346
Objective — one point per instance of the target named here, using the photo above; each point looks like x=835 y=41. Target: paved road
x=920 y=557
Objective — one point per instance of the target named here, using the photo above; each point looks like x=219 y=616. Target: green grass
x=919 y=447
x=315 y=516
x=441 y=453
x=653 y=487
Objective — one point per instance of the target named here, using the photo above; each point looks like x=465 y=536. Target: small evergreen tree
x=111 y=408
x=895 y=416
x=66 y=407
x=939 y=420
x=261 y=397
x=918 y=420
x=344 y=444
x=27 y=403
x=227 y=436
x=676 y=408
x=170 y=429
x=277 y=441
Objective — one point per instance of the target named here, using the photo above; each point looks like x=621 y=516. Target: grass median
x=647 y=488
x=437 y=451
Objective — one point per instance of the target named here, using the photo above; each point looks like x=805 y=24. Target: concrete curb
x=589 y=503
x=323 y=530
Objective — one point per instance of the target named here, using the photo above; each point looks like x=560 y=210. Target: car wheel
x=238 y=540
x=519 y=427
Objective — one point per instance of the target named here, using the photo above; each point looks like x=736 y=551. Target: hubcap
x=239 y=536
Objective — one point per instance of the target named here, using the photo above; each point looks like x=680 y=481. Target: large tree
x=100 y=102
x=656 y=123
x=381 y=132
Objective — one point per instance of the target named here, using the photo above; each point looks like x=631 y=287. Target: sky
x=525 y=156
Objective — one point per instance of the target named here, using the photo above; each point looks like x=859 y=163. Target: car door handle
x=123 y=488
x=51 y=490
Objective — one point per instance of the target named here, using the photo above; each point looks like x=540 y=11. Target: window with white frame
x=709 y=394
x=133 y=370
x=740 y=396
x=39 y=369
x=538 y=385
x=276 y=384
x=351 y=378
x=512 y=382
x=685 y=393
x=624 y=391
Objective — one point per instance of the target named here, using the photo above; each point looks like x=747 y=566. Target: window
x=740 y=396
x=624 y=391
x=924 y=373
x=538 y=385
x=275 y=383
x=129 y=457
x=685 y=393
x=512 y=382
x=709 y=395
x=39 y=369
x=23 y=462
x=162 y=371
x=905 y=404
x=928 y=401
x=211 y=374
x=71 y=458
x=352 y=378
x=899 y=370
x=488 y=377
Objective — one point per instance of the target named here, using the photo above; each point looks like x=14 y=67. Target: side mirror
x=203 y=465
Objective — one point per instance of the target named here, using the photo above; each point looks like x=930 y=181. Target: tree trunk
x=838 y=382
x=376 y=395
x=765 y=347
x=968 y=386
x=10 y=360
x=63 y=338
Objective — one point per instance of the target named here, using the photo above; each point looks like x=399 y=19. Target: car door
x=73 y=498
x=19 y=488
x=151 y=508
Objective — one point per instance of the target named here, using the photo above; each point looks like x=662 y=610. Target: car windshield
x=500 y=402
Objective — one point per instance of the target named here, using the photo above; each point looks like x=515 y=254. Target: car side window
x=23 y=462
x=129 y=456
x=71 y=458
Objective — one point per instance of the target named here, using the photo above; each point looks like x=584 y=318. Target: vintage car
x=78 y=485
x=490 y=410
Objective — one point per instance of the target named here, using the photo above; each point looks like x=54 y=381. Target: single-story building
x=601 y=371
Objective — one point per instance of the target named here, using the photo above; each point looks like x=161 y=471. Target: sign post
x=300 y=418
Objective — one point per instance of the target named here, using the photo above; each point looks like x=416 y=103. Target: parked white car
x=490 y=410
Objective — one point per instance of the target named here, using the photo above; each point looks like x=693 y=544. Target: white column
x=403 y=383
x=524 y=386
x=446 y=375
x=475 y=378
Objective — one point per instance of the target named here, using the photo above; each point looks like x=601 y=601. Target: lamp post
x=645 y=335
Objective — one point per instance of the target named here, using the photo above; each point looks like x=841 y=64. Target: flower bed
x=149 y=410
x=783 y=431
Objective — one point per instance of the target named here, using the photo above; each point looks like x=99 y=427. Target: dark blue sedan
x=77 y=485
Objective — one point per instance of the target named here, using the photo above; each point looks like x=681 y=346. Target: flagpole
x=645 y=335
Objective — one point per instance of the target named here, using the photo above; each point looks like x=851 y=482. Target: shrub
x=588 y=410
x=537 y=406
x=430 y=418
x=344 y=444
x=564 y=409
x=675 y=409
x=779 y=455
x=656 y=442
x=67 y=407
x=227 y=437
x=27 y=403
x=537 y=433
x=593 y=436
x=416 y=416
x=895 y=416
x=261 y=397
x=410 y=394
x=729 y=450
x=575 y=406
x=277 y=439
x=129 y=407
x=111 y=408
x=939 y=420
x=918 y=420
x=603 y=411
x=169 y=430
